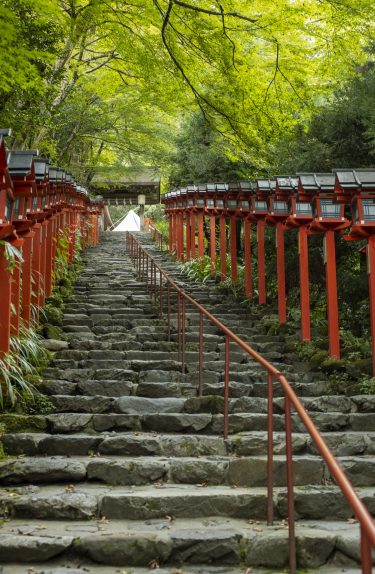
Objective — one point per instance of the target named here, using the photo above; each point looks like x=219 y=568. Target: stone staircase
x=131 y=473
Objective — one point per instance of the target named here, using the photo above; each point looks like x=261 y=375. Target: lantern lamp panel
x=280 y=207
x=303 y=208
x=245 y=205
x=232 y=204
x=368 y=207
x=329 y=209
x=260 y=206
x=8 y=208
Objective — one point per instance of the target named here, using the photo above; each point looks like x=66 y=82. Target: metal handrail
x=147 y=270
x=156 y=235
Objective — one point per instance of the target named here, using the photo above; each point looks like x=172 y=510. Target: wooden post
x=261 y=264
x=304 y=283
x=247 y=246
x=5 y=302
x=213 y=242
x=233 y=247
x=280 y=248
x=200 y=235
x=331 y=289
x=371 y=278
x=26 y=277
x=223 y=248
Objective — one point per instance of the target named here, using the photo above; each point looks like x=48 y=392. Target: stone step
x=206 y=404
x=137 y=444
x=204 y=423
x=224 y=470
x=86 y=501
x=217 y=546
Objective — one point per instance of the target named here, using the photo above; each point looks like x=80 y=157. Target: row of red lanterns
x=38 y=203
x=310 y=202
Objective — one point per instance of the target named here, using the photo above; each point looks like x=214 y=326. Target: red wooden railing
x=160 y=285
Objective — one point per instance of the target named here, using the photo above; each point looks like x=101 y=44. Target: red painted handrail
x=147 y=269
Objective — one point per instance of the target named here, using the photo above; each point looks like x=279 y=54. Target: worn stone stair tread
x=214 y=470
x=86 y=501
x=129 y=443
x=172 y=541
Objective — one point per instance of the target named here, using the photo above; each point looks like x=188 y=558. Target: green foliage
x=201 y=155
x=35 y=404
x=27 y=357
x=12 y=254
x=198 y=269
x=95 y=84
x=52 y=315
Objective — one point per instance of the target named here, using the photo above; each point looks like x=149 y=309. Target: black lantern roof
x=191 y=188
x=234 y=187
x=56 y=174
x=266 y=185
x=221 y=187
x=41 y=168
x=326 y=181
x=202 y=187
x=21 y=162
x=366 y=178
x=346 y=180
x=247 y=186
x=286 y=183
x=353 y=180
x=308 y=182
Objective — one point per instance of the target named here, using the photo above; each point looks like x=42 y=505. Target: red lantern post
x=279 y=213
x=6 y=232
x=301 y=215
x=329 y=218
x=357 y=187
x=22 y=171
x=260 y=213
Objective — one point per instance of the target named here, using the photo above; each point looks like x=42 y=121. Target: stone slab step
x=137 y=444
x=222 y=546
x=204 y=423
x=213 y=470
x=85 y=501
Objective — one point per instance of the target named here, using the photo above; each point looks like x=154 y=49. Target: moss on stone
x=213 y=404
x=17 y=423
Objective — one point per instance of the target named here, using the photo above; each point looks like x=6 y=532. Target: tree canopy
x=93 y=82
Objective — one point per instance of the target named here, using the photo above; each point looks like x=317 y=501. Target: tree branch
x=214 y=12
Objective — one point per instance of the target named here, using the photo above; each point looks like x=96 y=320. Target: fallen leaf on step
x=170 y=517
x=256 y=529
x=70 y=488
x=154 y=564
